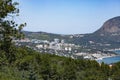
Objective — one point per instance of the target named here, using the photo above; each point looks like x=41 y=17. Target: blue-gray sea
x=111 y=59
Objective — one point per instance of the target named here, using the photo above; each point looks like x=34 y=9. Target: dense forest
x=30 y=65
x=21 y=63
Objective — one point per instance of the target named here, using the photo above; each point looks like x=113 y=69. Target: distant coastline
x=109 y=59
x=101 y=58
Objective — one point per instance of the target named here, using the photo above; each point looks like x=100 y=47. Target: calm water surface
x=111 y=59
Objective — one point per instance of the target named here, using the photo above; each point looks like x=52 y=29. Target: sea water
x=110 y=60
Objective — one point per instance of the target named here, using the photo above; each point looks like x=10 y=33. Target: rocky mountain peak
x=112 y=26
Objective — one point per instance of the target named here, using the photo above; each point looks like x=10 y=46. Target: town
x=61 y=48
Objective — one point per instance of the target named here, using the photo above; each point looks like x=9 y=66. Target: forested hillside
x=31 y=65
x=44 y=36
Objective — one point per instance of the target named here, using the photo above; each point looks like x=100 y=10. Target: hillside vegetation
x=31 y=65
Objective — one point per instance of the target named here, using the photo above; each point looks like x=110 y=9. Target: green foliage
x=31 y=65
x=9 y=29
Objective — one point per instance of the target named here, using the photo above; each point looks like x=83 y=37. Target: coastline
x=101 y=58
x=109 y=59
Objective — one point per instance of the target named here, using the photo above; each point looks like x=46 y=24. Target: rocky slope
x=110 y=27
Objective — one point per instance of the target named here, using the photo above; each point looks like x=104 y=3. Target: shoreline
x=101 y=58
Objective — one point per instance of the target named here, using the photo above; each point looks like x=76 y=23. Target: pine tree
x=9 y=29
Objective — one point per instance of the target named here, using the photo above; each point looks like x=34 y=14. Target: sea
x=111 y=60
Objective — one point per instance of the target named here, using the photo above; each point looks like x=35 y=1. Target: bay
x=111 y=60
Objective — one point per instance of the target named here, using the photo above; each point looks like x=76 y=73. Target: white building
x=39 y=46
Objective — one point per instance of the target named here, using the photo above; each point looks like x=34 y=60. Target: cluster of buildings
x=95 y=56
x=57 y=44
x=59 y=47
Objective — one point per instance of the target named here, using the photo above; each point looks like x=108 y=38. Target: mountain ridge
x=107 y=37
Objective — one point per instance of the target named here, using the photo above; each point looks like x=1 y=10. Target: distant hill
x=107 y=37
x=43 y=35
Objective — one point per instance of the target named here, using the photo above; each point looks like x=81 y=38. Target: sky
x=66 y=16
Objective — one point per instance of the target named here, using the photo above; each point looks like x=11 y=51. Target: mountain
x=112 y=26
x=105 y=38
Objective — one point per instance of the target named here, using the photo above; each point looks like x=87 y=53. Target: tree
x=9 y=29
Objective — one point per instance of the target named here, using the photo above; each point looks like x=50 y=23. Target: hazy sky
x=67 y=16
